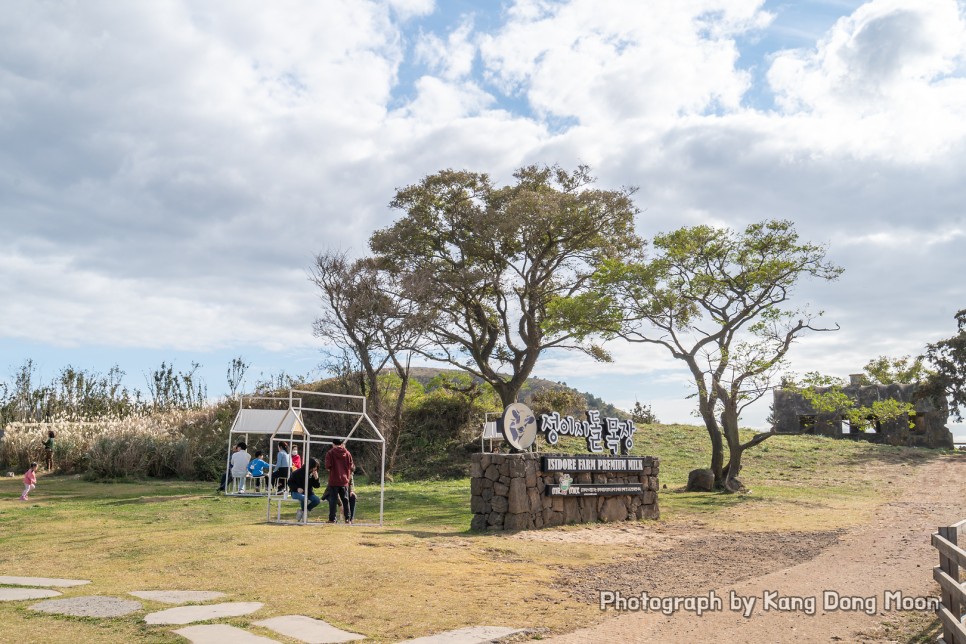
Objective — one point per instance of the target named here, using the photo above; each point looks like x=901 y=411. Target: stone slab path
x=219 y=634
x=189 y=614
x=295 y=627
x=177 y=596
x=470 y=635
x=308 y=630
x=19 y=594
x=91 y=606
x=41 y=581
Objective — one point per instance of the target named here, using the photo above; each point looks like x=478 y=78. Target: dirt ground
x=890 y=553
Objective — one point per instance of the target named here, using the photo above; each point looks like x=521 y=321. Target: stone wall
x=509 y=494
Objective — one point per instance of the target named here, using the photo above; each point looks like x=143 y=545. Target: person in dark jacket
x=301 y=488
x=338 y=461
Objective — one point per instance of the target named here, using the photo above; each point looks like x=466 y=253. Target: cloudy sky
x=169 y=169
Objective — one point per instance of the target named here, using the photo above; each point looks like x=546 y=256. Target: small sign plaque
x=595 y=489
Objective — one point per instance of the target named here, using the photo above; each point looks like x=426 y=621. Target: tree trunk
x=729 y=423
x=717 y=449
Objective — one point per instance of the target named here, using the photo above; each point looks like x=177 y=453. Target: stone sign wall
x=510 y=493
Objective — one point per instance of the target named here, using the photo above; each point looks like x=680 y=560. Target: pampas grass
x=186 y=444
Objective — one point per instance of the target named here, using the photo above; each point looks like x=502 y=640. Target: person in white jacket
x=239 y=465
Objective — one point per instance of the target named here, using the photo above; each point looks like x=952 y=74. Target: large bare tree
x=487 y=264
x=373 y=330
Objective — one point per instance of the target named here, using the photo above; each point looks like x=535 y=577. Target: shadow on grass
x=892 y=455
x=429 y=534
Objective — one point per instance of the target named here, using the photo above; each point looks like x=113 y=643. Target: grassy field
x=422 y=572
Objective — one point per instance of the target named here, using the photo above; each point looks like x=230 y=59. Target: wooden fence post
x=951 y=568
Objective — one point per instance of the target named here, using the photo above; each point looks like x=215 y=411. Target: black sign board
x=593 y=463
x=594 y=489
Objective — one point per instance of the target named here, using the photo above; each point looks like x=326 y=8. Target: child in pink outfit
x=29 y=481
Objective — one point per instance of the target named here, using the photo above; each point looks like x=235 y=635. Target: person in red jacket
x=338 y=461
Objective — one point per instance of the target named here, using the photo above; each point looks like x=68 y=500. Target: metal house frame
x=308 y=439
x=262 y=422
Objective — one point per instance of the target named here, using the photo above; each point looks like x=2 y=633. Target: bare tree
x=371 y=329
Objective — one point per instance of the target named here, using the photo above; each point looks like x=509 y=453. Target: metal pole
x=382 y=482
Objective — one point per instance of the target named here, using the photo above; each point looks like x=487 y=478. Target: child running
x=29 y=482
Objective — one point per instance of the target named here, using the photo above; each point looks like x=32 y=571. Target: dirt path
x=890 y=553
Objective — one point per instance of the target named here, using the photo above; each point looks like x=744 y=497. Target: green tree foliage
x=828 y=396
x=485 y=264
x=948 y=360
x=896 y=371
x=715 y=299
x=642 y=414
x=566 y=401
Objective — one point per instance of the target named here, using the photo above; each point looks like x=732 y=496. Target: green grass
x=422 y=572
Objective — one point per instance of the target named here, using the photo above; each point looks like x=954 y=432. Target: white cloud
x=886 y=80
x=619 y=59
x=167 y=171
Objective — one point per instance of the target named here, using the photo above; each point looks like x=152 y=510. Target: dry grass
x=422 y=572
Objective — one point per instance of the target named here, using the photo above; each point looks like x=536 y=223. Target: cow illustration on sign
x=519 y=426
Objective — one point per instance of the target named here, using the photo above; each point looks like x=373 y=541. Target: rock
x=487 y=494
x=516 y=467
x=650 y=497
x=531 y=473
x=557 y=503
x=485 y=460
x=536 y=503
x=613 y=510
x=571 y=513
x=495 y=519
x=500 y=490
x=650 y=511
x=519 y=501
x=700 y=481
x=499 y=504
x=653 y=485
x=478 y=505
x=478 y=523
x=476 y=470
x=588 y=510
x=492 y=472
x=476 y=486
x=516 y=521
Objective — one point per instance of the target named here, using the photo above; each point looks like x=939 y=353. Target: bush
x=177 y=444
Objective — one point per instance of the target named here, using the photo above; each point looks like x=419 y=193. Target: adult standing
x=283 y=467
x=301 y=483
x=338 y=461
x=49 y=451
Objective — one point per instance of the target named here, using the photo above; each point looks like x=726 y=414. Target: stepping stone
x=16 y=594
x=41 y=581
x=92 y=606
x=470 y=635
x=189 y=614
x=306 y=629
x=177 y=596
x=219 y=634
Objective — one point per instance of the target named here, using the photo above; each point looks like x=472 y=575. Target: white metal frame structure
x=262 y=422
x=491 y=431
x=308 y=439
